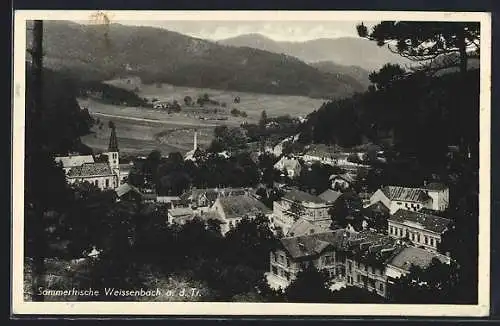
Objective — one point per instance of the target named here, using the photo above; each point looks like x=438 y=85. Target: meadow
x=141 y=130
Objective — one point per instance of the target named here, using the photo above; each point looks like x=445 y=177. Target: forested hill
x=157 y=55
x=421 y=114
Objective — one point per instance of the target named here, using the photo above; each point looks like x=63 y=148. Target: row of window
x=280 y=272
x=414 y=236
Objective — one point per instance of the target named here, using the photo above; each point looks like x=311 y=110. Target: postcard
x=225 y=163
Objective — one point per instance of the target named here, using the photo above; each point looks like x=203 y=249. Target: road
x=167 y=122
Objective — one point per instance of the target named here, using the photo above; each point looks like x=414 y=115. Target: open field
x=141 y=130
x=140 y=137
x=251 y=103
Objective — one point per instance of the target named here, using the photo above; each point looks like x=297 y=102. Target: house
x=83 y=168
x=181 y=215
x=422 y=229
x=324 y=154
x=349 y=258
x=406 y=257
x=396 y=197
x=342 y=182
x=290 y=165
x=295 y=204
x=206 y=197
x=440 y=195
x=125 y=171
x=128 y=192
x=232 y=209
x=295 y=253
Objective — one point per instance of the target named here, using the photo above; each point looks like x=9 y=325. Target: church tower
x=195 y=140
x=113 y=155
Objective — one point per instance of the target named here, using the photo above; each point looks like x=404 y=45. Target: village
x=367 y=239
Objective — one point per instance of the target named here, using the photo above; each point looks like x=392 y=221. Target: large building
x=423 y=230
x=290 y=165
x=83 y=168
x=297 y=204
x=434 y=196
x=366 y=259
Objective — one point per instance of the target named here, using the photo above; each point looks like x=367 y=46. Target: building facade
x=424 y=230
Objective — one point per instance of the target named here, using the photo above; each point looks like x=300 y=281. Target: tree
x=425 y=41
x=310 y=286
x=386 y=75
x=188 y=100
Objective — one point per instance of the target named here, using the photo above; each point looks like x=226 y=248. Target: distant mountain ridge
x=347 y=51
x=99 y=52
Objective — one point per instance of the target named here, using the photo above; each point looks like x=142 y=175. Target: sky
x=294 y=31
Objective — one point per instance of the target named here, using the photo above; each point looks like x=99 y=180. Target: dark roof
x=408 y=256
x=113 y=141
x=312 y=244
x=242 y=205
x=405 y=194
x=302 y=196
x=126 y=188
x=378 y=207
x=429 y=222
x=330 y=196
x=90 y=170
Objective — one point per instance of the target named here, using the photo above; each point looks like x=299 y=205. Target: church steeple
x=113 y=141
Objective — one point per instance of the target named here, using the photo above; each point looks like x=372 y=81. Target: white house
x=290 y=165
x=232 y=209
x=396 y=197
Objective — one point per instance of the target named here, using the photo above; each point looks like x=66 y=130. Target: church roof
x=113 y=141
x=90 y=170
x=74 y=160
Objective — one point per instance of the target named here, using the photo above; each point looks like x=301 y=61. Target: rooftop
x=302 y=196
x=408 y=256
x=126 y=188
x=435 y=186
x=242 y=205
x=74 y=160
x=90 y=170
x=405 y=194
x=429 y=222
x=346 y=176
x=330 y=196
x=304 y=227
x=312 y=244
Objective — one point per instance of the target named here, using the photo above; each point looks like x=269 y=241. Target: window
x=432 y=241
x=418 y=237
x=426 y=240
x=366 y=268
x=399 y=203
x=286 y=275
x=381 y=287
x=274 y=270
x=107 y=183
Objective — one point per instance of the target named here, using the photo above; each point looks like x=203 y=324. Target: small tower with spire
x=113 y=154
x=195 y=140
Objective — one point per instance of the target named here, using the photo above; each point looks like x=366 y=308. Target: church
x=84 y=168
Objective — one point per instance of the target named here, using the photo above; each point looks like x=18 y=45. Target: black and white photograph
x=284 y=162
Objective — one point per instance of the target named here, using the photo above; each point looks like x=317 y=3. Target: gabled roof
x=74 y=160
x=212 y=193
x=405 y=194
x=330 y=196
x=126 y=188
x=349 y=177
x=289 y=163
x=429 y=222
x=378 y=207
x=409 y=256
x=90 y=170
x=304 y=227
x=302 y=196
x=242 y=205
x=312 y=244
